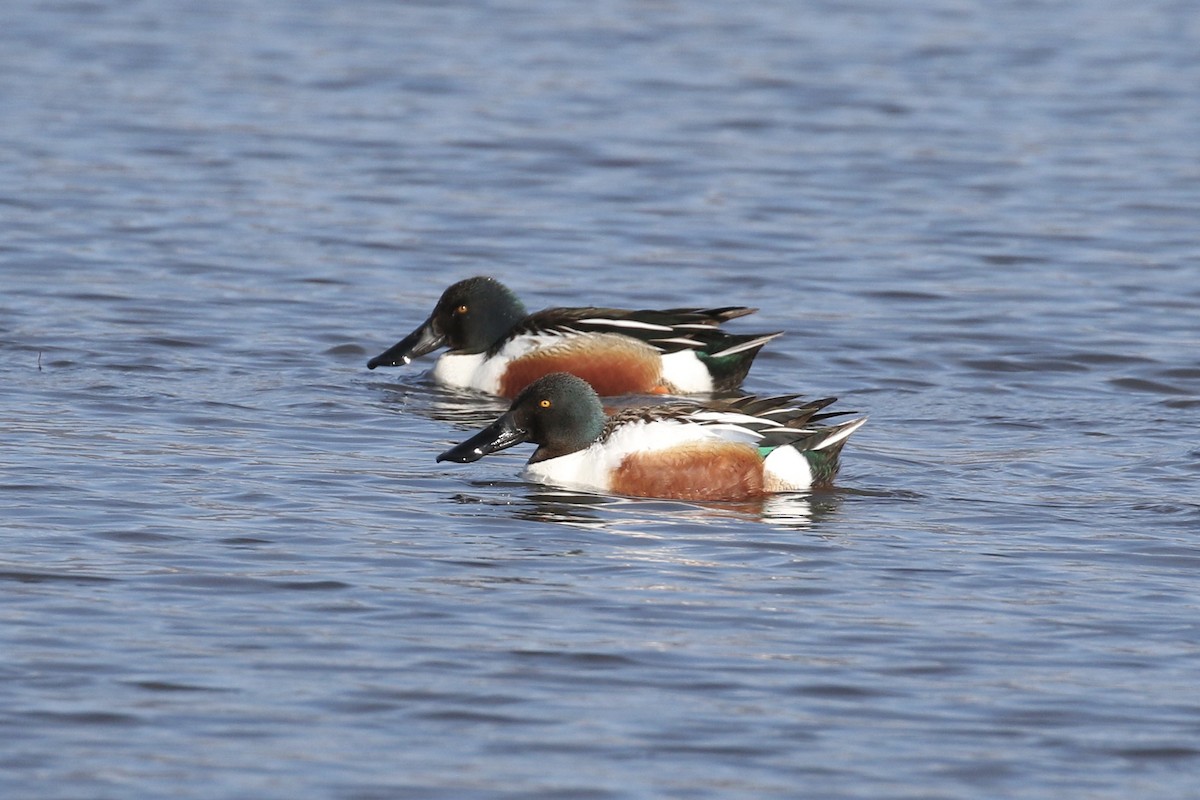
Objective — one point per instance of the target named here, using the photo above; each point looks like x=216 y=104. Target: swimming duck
x=496 y=347
x=725 y=450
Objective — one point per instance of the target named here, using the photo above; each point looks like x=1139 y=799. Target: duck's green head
x=560 y=413
x=471 y=316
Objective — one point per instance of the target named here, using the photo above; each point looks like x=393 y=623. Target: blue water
x=229 y=566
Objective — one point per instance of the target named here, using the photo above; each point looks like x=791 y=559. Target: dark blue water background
x=229 y=566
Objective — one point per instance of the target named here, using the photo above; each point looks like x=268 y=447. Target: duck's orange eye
x=544 y=403
x=461 y=309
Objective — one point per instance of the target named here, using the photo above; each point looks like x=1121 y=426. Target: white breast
x=477 y=371
x=591 y=467
x=463 y=371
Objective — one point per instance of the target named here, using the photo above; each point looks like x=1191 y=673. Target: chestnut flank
x=694 y=471
x=612 y=364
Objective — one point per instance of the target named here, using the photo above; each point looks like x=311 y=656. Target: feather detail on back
x=667 y=330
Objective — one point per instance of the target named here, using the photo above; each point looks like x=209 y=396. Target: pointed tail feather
x=831 y=436
x=715 y=315
x=825 y=448
x=742 y=343
x=729 y=358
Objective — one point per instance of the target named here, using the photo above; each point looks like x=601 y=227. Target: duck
x=496 y=347
x=720 y=450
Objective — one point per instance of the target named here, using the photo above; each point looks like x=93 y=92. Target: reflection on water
x=462 y=408
x=563 y=506
x=540 y=503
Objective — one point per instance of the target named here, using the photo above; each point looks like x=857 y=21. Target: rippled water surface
x=229 y=566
